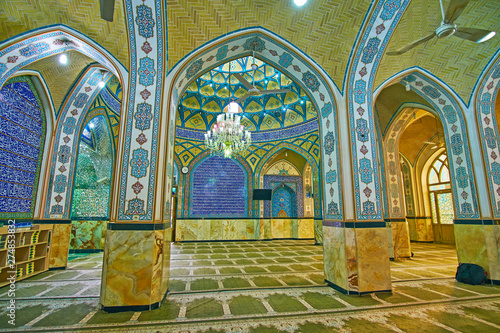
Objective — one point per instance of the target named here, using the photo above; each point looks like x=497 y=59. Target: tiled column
x=356 y=257
x=478 y=242
x=421 y=229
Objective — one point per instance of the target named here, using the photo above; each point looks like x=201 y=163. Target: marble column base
x=480 y=244
x=356 y=257
x=59 y=246
x=136 y=268
x=420 y=229
x=400 y=238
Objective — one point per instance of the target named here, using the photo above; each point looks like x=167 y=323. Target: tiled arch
x=63 y=160
x=291 y=61
x=317 y=182
x=383 y=19
x=26 y=48
x=484 y=104
x=455 y=131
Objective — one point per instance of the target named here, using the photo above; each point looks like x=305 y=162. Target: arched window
x=440 y=194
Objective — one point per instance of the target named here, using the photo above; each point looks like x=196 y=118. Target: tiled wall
x=22 y=131
x=218 y=189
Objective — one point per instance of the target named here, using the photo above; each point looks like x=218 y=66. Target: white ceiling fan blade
x=435 y=147
x=278 y=91
x=107 y=9
x=412 y=45
x=430 y=143
x=242 y=98
x=455 y=8
x=474 y=35
x=243 y=81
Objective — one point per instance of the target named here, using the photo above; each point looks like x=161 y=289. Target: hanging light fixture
x=227 y=137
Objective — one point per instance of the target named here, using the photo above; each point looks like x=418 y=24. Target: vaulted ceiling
x=324 y=29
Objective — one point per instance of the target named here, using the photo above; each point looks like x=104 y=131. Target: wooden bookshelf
x=31 y=252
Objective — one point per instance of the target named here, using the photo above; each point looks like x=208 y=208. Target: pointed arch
x=484 y=100
x=450 y=110
x=276 y=51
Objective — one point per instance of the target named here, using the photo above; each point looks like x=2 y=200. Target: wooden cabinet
x=31 y=252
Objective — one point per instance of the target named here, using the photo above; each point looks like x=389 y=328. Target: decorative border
x=35 y=47
x=457 y=142
x=378 y=31
x=488 y=130
x=297 y=67
x=66 y=141
x=392 y=159
x=146 y=44
x=261 y=136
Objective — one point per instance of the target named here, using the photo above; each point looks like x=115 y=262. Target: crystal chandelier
x=227 y=136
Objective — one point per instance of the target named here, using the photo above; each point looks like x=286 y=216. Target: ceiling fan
x=107 y=9
x=449 y=28
x=252 y=89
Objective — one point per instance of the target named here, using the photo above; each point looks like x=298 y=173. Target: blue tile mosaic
x=22 y=132
x=218 y=189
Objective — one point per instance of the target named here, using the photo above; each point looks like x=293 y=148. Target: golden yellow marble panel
x=373 y=259
x=128 y=268
x=412 y=226
x=157 y=278
x=276 y=228
x=167 y=240
x=471 y=244
x=306 y=228
x=59 y=245
x=334 y=256
x=425 y=231
x=400 y=240
x=265 y=229
x=318 y=231
x=492 y=239
x=390 y=246
x=351 y=259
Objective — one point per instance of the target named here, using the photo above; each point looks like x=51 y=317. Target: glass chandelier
x=227 y=136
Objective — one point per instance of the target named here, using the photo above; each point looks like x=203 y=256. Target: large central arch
x=276 y=51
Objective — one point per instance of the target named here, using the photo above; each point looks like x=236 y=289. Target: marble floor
x=272 y=286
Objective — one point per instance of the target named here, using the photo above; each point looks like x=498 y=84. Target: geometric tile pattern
x=22 y=137
x=377 y=32
x=486 y=113
x=455 y=134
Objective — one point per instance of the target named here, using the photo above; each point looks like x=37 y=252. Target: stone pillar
x=478 y=242
x=59 y=242
x=356 y=257
x=400 y=234
x=136 y=266
x=420 y=228
x=137 y=246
